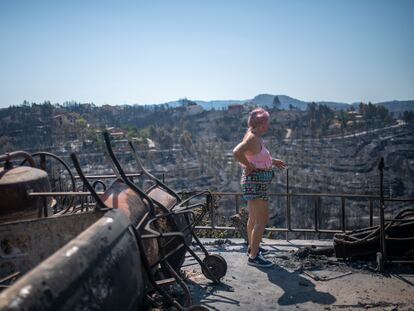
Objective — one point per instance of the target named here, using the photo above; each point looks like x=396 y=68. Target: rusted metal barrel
x=15 y=183
x=120 y=196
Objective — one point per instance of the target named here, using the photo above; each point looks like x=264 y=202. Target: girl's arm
x=279 y=163
x=239 y=153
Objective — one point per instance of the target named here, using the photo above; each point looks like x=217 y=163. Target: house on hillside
x=140 y=143
x=59 y=119
x=151 y=144
x=355 y=116
x=62 y=119
x=193 y=109
x=335 y=124
x=116 y=132
x=235 y=109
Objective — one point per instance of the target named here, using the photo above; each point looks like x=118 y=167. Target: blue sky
x=144 y=52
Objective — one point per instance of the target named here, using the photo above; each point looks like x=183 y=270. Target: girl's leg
x=260 y=210
x=251 y=221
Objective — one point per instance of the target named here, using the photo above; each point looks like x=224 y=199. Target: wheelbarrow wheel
x=198 y=308
x=380 y=262
x=217 y=266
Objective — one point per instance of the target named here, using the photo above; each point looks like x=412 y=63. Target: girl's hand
x=279 y=163
x=249 y=169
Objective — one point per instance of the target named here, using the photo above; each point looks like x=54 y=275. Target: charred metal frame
x=317 y=207
x=213 y=197
x=288 y=207
x=382 y=256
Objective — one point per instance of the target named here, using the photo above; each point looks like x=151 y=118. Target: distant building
x=61 y=119
x=140 y=143
x=335 y=124
x=355 y=116
x=116 y=132
x=193 y=109
x=235 y=109
x=151 y=144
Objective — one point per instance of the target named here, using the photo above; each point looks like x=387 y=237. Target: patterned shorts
x=256 y=185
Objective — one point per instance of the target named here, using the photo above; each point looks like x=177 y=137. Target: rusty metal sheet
x=25 y=244
x=98 y=270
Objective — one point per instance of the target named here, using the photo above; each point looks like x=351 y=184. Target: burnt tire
x=216 y=265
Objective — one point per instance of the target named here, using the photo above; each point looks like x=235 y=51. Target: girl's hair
x=257 y=117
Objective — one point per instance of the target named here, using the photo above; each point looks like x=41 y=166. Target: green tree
x=81 y=122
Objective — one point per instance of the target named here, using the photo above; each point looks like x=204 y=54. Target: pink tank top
x=262 y=160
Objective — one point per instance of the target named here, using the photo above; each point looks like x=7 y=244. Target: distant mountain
x=398 y=106
x=267 y=100
x=285 y=102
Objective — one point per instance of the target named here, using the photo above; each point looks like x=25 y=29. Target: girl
x=257 y=165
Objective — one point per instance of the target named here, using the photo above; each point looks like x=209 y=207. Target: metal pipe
x=371 y=213
x=288 y=201
x=316 y=212
x=270 y=229
x=57 y=194
x=311 y=194
x=399 y=200
x=343 y=213
x=108 y=176
x=382 y=206
x=211 y=208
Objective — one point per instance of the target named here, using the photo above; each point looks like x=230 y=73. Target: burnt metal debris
x=15 y=204
x=391 y=241
x=139 y=236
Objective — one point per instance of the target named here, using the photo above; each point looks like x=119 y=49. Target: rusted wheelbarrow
x=124 y=195
x=173 y=215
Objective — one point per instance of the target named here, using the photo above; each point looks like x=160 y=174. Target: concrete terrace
x=293 y=283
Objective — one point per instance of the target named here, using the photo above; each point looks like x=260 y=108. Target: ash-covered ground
x=299 y=280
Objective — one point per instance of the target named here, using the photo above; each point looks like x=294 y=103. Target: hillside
x=327 y=151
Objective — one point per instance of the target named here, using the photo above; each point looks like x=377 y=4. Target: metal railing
x=215 y=197
x=316 y=209
x=288 y=210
